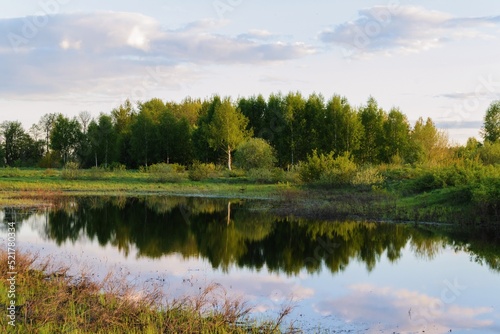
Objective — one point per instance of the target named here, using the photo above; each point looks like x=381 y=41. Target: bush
x=164 y=168
x=49 y=172
x=486 y=196
x=117 y=167
x=163 y=172
x=367 y=176
x=327 y=170
x=264 y=175
x=50 y=160
x=235 y=172
x=201 y=171
x=71 y=171
x=255 y=153
x=490 y=153
x=97 y=173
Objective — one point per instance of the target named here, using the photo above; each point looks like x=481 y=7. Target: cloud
x=75 y=52
x=459 y=124
x=387 y=309
x=469 y=95
x=256 y=34
x=390 y=29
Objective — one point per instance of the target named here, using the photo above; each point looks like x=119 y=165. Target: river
x=348 y=276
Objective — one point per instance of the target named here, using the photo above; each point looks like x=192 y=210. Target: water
x=350 y=276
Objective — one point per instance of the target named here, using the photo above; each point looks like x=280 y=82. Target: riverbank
x=400 y=198
x=46 y=299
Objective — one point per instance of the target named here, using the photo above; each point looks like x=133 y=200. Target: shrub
x=367 y=176
x=163 y=172
x=71 y=171
x=235 y=172
x=50 y=160
x=327 y=170
x=490 y=153
x=97 y=173
x=265 y=175
x=201 y=171
x=255 y=153
x=117 y=167
x=486 y=196
x=164 y=168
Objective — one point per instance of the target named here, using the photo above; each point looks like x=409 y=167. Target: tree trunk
x=106 y=156
x=229 y=158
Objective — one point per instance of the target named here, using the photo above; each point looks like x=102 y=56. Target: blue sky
x=437 y=59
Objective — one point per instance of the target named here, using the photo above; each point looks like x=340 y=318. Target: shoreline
x=40 y=188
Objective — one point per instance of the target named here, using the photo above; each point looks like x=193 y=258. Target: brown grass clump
x=51 y=301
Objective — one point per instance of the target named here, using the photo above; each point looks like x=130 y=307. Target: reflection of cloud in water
x=265 y=292
x=402 y=310
x=262 y=290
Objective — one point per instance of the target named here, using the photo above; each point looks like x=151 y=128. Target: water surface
x=341 y=276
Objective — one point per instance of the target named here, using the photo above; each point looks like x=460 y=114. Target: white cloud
x=389 y=29
x=74 y=52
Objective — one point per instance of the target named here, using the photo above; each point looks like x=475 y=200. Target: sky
x=437 y=59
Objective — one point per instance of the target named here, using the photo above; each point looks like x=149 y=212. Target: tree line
x=211 y=130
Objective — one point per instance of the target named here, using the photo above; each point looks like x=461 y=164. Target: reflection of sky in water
x=411 y=295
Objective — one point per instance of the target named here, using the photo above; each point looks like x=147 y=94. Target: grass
x=51 y=301
x=32 y=185
x=398 y=198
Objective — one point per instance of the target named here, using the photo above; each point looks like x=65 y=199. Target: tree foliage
x=255 y=153
x=290 y=125
x=66 y=137
x=19 y=149
x=491 y=128
x=227 y=129
x=103 y=140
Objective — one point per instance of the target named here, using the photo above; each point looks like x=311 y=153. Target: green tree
x=255 y=153
x=372 y=118
x=13 y=134
x=103 y=139
x=275 y=128
x=254 y=108
x=227 y=129
x=428 y=145
x=123 y=117
x=342 y=129
x=19 y=149
x=308 y=126
x=2 y=155
x=183 y=147
x=294 y=105
x=145 y=132
x=46 y=123
x=188 y=109
x=175 y=137
x=491 y=127
x=396 y=136
x=201 y=131
x=471 y=149
x=66 y=137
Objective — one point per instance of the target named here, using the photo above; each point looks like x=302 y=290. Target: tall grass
x=51 y=301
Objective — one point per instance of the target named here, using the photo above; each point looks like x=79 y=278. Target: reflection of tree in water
x=481 y=243
x=15 y=215
x=226 y=234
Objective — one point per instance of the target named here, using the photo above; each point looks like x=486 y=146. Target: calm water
x=341 y=276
